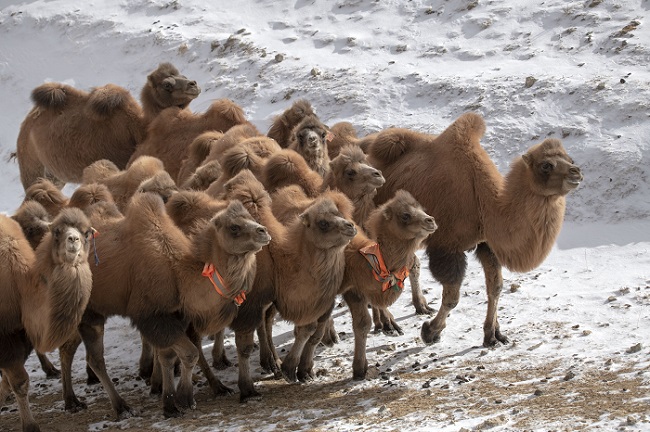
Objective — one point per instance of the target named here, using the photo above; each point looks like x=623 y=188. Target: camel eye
x=405 y=217
x=323 y=225
x=547 y=167
x=323 y=135
x=235 y=230
x=350 y=173
x=168 y=86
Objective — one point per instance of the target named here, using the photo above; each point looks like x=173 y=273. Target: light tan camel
x=511 y=221
x=43 y=295
x=68 y=129
x=309 y=139
x=165 y=289
x=283 y=124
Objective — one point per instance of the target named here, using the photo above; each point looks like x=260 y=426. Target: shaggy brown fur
x=34 y=220
x=122 y=184
x=287 y=167
x=203 y=176
x=198 y=150
x=48 y=195
x=191 y=209
x=398 y=226
x=342 y=134
x=170 y=134
x=68 y=129
x=308 y=138
x=163 y=290
x=88 y=194
x=514 y=221
x=231 y=138
x=283 y=125
x=160 y=183
x=43 y=295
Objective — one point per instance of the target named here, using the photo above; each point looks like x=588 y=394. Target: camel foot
x=74 y=405
x=145 y=371
x=289 y=374
x=52 y=373
x=156 y=389
x=185 y=402
x=123 y=411
x=424 y=309
x=172 y=412
x=250 y=395
x=218 y=389
x=31 y=428
x=492 y=340
x=430 y=335
x=305 y=376
x=92 y=378
x=221 y=363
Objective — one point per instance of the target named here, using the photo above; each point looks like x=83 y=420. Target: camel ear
x=388 y=215
x=527 y=158
x=305 y=219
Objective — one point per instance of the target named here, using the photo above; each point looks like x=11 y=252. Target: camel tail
x=13 y=156
x=50 y=95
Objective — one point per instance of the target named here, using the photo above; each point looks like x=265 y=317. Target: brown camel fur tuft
x=160 y=183
x=191 y=209
x=283 y=125
x=34 y=220
x=512 y=221
x=163 y=290
x=123 y=184
x=43 y=295
x=198 y=150
x=287 y=167
x=309 y=139
x=48 y=195
x=170 y=134
x=231 y=138
x=343 y=134
x=203 y=176
x=68 y=129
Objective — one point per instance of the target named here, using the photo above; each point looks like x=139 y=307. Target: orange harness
x=219 y=285
x=387 y=278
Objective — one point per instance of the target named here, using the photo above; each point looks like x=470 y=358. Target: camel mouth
x=572 y=183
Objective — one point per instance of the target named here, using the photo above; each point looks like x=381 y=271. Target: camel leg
x=494 y=284
x=361 y=323
x=18 y=381
x=244 y=342
x=306 y=365
x=330 y=336
x=449 y=269
x=269 y=358
x=175 y=399
x=291 y=360
x=50 y=370
x=93 y=338
x=66 y=356
x=146 y=363
x=385 y=321
x=419 y=301
x=5 y=389
x=215 y=384
x=219 y=359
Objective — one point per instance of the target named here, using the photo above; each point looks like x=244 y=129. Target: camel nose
x=575 y=171
x=261 y=230
x=431 y=222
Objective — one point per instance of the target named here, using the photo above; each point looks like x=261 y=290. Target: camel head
x=71 y=236
x=325 y=226
x=247 y=189
x=235 y=230
x=169 y=88
x=403 y=217
x=34 y=221
x=309 y=137
x=351 y=173
x=552 y=170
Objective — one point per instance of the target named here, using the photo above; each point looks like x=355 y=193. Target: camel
x=43 y=295
x=122 y=183
x=511 y=221
x=170 y=134
x=68 y=129
x=397 y=228
x=300 y=272
x=343 y=134
x=175 y=282
x=309 y=139
x=287 y=167
x=197 y=151
x=284 y=124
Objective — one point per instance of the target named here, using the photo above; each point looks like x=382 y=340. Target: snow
x=574 y=70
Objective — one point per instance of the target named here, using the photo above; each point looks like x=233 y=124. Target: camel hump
x=106 y=100
x=467 y=130
x=145 y=205
x=51 y=95
x=229 y=110
x=239 y=158
x=391 y=144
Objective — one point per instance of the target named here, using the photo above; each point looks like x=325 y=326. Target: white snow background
x=574 y=70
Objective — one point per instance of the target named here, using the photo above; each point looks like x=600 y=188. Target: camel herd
x=191 y=223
